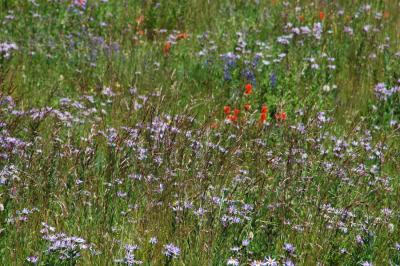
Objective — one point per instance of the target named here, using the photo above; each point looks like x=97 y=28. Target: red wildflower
x=227 y=109
x=248 y=89
x=247 y=106
x=139 y=20
x=232 y=118
x=263 y=117
x=167 y=47
x=386 y=14
x=301 y=18
x=214 y=126
x=283 y=116
x=264 y=109
x=321 y=15
x=236 y=112
x=182 y=36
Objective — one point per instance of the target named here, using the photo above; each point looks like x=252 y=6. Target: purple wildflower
x=33 y=259
x=171 y=250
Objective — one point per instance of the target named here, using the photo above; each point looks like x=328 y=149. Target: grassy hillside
x=196 y=132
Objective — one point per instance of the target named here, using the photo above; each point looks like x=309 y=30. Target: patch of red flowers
x=227 y=109
x=139 y=20
x=167 y=47
x=248 y=89
x=321 y=15
x=264 y=109
x=281 y=116
x=231 y=117
x=182 y=36
x=264 y=114
x=263 y=117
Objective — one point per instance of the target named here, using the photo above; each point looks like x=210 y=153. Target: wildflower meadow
x=200 y=132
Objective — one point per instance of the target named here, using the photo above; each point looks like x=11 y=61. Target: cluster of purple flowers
x=63 y=246
x=172 y=251
x=7 y=48
x=383 y=93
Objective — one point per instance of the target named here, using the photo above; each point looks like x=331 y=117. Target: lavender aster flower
x=258 y=263
x=288 y=262
x=33 y=259
x=232 y=261
x=171 y=250
x=366 y=263
x=271 y=262
x=153 y=240
x=288 y=247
